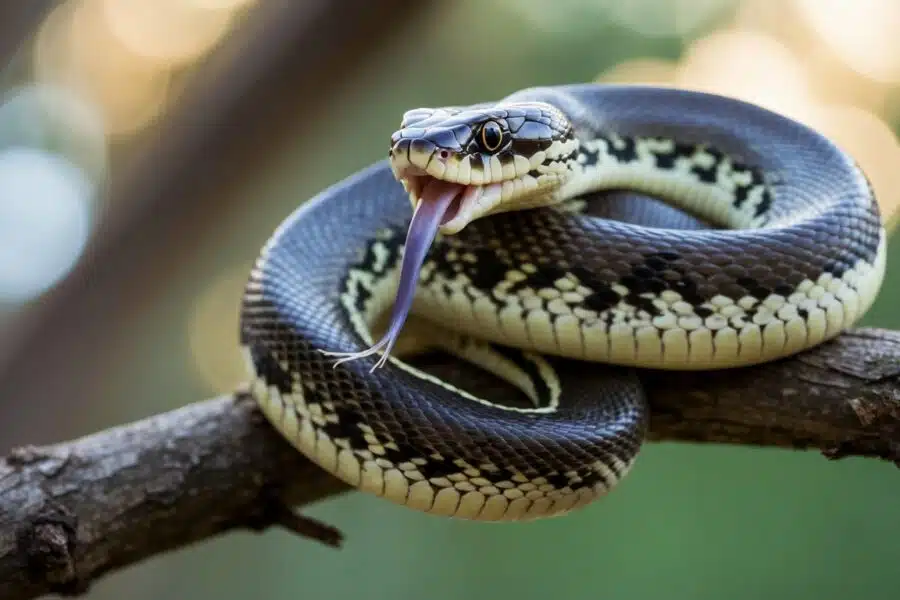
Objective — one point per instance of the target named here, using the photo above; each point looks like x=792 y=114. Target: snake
x=475 y=238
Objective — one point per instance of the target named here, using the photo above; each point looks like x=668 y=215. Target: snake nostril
x=444 y=154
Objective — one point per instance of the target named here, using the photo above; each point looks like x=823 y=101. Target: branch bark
x=72 y=512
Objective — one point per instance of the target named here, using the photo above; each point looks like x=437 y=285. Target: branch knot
x=48 y=543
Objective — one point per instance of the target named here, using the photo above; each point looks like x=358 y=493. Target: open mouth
x=425 y=188
x=468 y=202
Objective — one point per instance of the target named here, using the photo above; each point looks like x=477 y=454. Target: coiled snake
x=537 y=296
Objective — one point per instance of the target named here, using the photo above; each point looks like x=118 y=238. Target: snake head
x=498 y=158
x=461 y=164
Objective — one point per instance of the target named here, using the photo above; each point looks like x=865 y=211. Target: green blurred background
x=148 y=148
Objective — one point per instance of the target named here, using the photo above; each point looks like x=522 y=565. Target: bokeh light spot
x=221 y=4
x=862 y=33
x=76 y=48
x=642 y=70
x=45 y=221
x=750 y=66
x=212 y=329
x=52 y=117
x=168 y=31
x=872 y=144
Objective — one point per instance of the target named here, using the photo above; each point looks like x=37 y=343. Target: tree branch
x=71 y=512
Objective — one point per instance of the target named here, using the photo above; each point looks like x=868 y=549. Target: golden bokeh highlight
x=76 y=50
x=169 y=32
x=212 y=330
x=862 y=33
x=871 y=142
x=124 y=55
x=230 y=5
x=827 y=72
x=748 y=65
x=106 y=65
x=646 y=70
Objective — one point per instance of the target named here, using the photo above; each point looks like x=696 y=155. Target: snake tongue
x=435 y=205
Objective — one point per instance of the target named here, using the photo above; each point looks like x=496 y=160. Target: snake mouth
x=424 y=188
x=469 y=202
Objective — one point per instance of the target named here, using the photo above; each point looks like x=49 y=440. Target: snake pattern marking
x=539 y=297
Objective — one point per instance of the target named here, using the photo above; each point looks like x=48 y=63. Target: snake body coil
x=536 y=296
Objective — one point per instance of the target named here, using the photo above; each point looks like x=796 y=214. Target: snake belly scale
x=502 y=263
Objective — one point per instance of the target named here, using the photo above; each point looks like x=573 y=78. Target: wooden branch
x=71 y=512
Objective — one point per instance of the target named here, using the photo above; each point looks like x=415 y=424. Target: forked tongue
x=437 y=196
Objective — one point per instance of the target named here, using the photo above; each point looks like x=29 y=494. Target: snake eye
x=491 y=136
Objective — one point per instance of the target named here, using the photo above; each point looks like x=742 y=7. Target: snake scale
x=502 y=265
